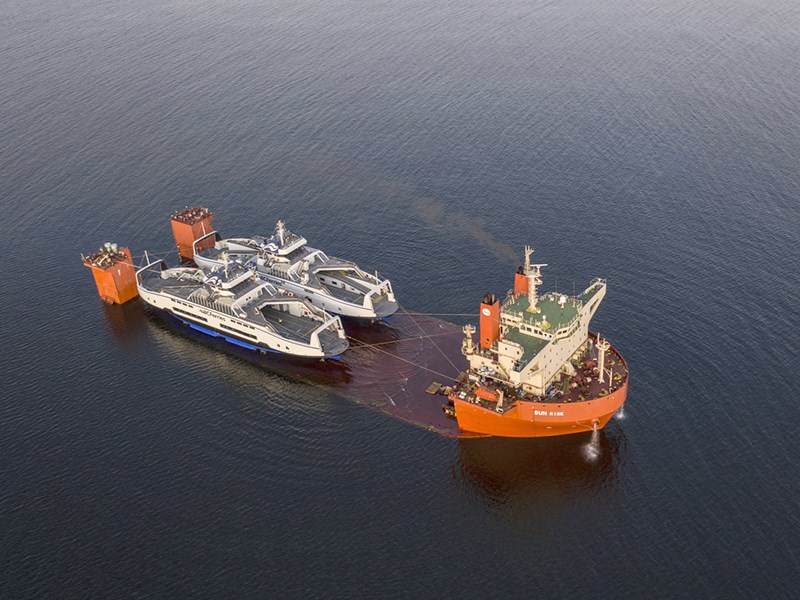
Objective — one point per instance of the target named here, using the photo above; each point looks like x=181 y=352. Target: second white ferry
x=329 y=283
x=234 y=303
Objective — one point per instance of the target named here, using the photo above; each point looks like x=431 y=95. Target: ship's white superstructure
x=235 y=303
x=332 y=284
x=536 y=371
x=531 y=339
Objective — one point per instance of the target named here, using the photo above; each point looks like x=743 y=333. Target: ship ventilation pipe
x=490 y=321
x=602 y=346
x=467 y=347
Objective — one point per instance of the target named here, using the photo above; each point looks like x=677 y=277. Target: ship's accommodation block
x=533 y=346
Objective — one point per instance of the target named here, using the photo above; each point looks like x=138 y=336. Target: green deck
x=587 y=295
x=531 y=345
x=548 y=306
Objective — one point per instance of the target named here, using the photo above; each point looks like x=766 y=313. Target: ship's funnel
x=490 y=321
x=520 y=283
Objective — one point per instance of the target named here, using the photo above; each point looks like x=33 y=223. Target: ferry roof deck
x=281 y=270
x=192 y=290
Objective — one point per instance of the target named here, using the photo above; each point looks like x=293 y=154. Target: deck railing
x=216 y=306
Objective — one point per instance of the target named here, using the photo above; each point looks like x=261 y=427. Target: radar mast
x=534 y=274
x=280 y=229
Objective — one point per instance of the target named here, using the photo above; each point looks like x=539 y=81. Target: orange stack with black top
x=520 y=283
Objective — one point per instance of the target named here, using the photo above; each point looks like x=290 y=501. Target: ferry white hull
x=226 y=326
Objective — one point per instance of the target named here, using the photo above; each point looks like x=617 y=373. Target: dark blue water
x=652 y=143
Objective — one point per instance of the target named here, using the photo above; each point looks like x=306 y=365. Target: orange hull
x=539 y=419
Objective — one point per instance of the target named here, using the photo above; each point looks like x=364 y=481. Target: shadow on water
x=388 y=366
x=500 y=471
x=307 y=370
x=127 y=322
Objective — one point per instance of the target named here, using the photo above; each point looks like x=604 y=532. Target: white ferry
x=332 y=284
x=234 y=303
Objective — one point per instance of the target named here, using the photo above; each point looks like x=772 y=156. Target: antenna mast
x=534 y=274
x=279 y=228
x=467 y=347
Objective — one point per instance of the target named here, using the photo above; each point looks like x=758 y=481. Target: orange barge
x=191 y=224
x=114 y=274
x=537 y=370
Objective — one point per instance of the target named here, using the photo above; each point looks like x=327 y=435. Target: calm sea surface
x=653 y=143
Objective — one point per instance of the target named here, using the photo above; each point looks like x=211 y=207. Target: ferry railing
x=334 y=323
x=198 y=243
x=217 y=306
x=292 y=276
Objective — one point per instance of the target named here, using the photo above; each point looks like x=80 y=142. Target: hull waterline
x=539 y=419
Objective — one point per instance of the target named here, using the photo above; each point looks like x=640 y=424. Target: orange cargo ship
x=537 y=370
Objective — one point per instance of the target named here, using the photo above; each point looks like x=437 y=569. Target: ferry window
x=184 y=312
x=242 y=333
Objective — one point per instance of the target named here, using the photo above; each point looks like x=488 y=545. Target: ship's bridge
x=531 y=346
x=552 y=318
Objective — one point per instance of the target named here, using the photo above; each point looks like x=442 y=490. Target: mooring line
x=435 y=344
x=410 y=362
x=419 y=337
x=153 y=256
x=421 y=314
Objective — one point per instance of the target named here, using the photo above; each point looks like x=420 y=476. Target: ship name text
x=548 y=413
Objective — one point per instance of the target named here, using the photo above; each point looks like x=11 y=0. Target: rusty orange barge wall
x=189 y=225
x=116 y=283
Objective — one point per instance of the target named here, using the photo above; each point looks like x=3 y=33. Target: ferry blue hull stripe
x=233 y=341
